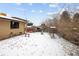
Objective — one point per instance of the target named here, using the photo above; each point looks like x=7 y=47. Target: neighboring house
x=11 y=26
x=29 y=29
x=33 y=29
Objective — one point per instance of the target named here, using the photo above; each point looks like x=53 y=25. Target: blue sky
x=35 y=12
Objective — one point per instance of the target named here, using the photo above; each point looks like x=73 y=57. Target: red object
x=29 y=30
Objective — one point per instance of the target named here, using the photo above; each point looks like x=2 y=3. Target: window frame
x=15 y=25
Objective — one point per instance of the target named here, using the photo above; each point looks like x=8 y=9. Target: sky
x=35 y=12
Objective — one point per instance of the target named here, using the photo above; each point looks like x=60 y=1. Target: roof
x=18 y=18
x=11 y=18
x=52 y=27
x=29 y=26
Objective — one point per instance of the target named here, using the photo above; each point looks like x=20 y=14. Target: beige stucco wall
x=5 y=29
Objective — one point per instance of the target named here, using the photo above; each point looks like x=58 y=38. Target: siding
x=5 y=29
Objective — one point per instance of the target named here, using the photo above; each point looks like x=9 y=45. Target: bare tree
x=76 y=17
x=65 y=16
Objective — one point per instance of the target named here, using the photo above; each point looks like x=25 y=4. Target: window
x=14 y=24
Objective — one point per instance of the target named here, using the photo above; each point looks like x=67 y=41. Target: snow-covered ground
x=37 y=45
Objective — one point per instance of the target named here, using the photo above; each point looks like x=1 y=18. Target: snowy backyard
x=37 y=45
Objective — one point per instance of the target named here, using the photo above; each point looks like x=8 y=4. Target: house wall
x=5 y=30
